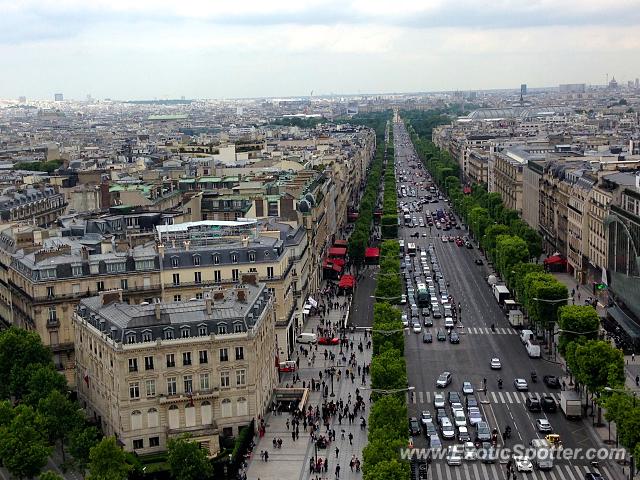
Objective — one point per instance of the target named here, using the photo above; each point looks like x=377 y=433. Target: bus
x=411 y=248
x=424 y=298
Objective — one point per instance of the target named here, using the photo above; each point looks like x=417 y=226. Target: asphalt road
x=470 y=359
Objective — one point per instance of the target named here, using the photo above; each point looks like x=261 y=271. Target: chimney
x=245 y=241
x=186 y=245
x=209 y=305
x=157 y=309
x=242 y=295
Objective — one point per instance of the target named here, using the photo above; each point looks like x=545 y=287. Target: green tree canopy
x=81 y=441
x=107 y=461
x=388 y=370
x=187 y=460
x=59 y=417
x=43 y=379
x=582 y=319
x=388 y=469
x=597 y=365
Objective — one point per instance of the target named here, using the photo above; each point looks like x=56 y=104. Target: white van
x=307 y=338
x=526 y=335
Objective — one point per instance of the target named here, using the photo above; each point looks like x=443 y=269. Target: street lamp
x=623 y=391
x=384 y=391
x=386 y=298
x=332 y=372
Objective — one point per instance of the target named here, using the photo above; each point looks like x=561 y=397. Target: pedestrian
x=350 y=438
x=337 y=449
x=287 y=424
x=266 y=456
x=633 y=357
x=637 y=380
x=312 y=466
x=338 y=472
x=262 y=455
x=325 y=465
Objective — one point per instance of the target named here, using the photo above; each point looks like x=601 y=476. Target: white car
x=521 y=384
x=448 y=322
x=467 y=388
x=405 y=320
x=470 y=452
x=417 y=328
x=447 y=429
x=403 y=299
x=459 y=418
x=445 y=239
x=523 y=464
x=454 y=456
x=425 y=417
x=495 y=363
x=543 y=425
x=438 y=400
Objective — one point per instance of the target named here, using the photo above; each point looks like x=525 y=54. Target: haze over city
x=199 y=49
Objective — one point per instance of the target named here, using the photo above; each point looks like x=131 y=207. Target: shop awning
x=631 y=328
x=337 y=251
x=336 y=267
x=555 y=260
x=347 y=281
x=340 y=243
x=372 y=252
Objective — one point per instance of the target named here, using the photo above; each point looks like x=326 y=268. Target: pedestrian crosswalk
x=480 y=471
x=478 y=331
x=499 y=396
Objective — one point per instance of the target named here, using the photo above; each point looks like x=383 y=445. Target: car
x=426 y=312
x=444 y=238
x=443 y=380
x=593 y=476
x=403 y=265
x=425 y=417
x=474 y=414
x=551 y=381
x=469 y=245
x=454 y=337
x=453 y=397
x=495 y=363
x=437 y=313
x=434 y=441
x=428 y=322
x=467 y=388
x=448 y=323
x=427 y=337
x=487 y=453
x=533 y=404
x=483 y=432
x=478 y=261
x=430 y=429
x=414 y=426
x=549 y=405
x=447 y=429
x=328 y=341
x=459 y=419
x=454 y=455
x=440 y=414
x=438 y=400
x=471 y=401
x=441 y=336
x=405 y=320
x=523 y=464
x=520 y=384
x=463 y=434
x=543 y=425
x=417 y=328
x=470 y=452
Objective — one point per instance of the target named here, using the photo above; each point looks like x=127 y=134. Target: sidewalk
x=292 y=460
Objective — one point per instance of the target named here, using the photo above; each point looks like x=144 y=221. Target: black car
x=428 y=322
x=469 y=245
x=551 y=381
x=454 y=397
x=478 y=261
x=471 y=401
x=414 y=426
x=454 y=337
x=487 y=454
x=427 y=337
x=593 y=476
x=533 y=404
x=548 y=404
x=441 y=336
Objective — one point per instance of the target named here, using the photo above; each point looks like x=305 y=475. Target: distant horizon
x=282 y=48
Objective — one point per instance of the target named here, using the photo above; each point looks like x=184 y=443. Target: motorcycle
x=534 y=377
x=499 y=383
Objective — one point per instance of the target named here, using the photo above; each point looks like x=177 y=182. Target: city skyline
x=203 y=50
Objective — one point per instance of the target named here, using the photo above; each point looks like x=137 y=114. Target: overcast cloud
x=248 y=48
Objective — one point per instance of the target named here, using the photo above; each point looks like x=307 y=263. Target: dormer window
x=222 y=329
x=216 y=259
x=237 y=328
x=175 y=262
x=168 y=334
x=252 y=256
x=146 y=336
x=131 y=338
x=185 y=332
x=196 y=260
x=234 y=258
x=202 y=330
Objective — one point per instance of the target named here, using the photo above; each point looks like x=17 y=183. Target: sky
x=144 y=49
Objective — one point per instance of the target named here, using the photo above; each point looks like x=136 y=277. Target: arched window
x=242 y=406
x=174 y=417
x=205 y=412
x=225 y=408
x=152 y=418
x=189 y=415
x=136 y=420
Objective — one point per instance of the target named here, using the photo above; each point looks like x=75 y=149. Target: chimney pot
x=157 y=310
x=209 y=304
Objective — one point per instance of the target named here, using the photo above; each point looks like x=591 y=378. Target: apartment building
x=38 y=206
x=149 y=373
x=506 y=168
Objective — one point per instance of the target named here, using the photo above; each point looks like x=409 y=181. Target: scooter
x=500 y=384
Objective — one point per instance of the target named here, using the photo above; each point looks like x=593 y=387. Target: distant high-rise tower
x=523 y=89
x=58 y=97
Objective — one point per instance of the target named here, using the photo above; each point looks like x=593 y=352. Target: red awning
x=336 y=267
x=554 y=260
x=372 y=252
x=347 y=281
x=466 y=190
x=337 y=252
x=337 y=261
x=340 y=243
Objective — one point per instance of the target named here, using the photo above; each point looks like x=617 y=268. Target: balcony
x=193 y=397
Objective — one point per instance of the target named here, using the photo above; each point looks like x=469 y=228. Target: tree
x=388 y=417
x=107 y=461
x=488 y=241
x=19 y=349
x=59 y=416
x=388 y=469
x=598 y=365
x=522 y=269
x=81 y=441
x=43 y=379
x=187 y=460
x=478 y=221
x=381 y=446
x=50 y=475
x=388 y=370
x=510 y=250
x=23 y=450
x=582 y=319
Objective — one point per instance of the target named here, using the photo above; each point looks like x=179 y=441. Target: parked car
x=551 y=381
x=443 y=380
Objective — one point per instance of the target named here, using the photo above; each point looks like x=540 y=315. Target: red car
x=328 y=341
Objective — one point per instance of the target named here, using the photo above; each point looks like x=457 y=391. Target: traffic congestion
x=476 y=391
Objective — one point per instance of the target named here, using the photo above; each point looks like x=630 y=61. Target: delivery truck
x=501 y=293
x=533 y=348
x=516 y=318
x=570 y=404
